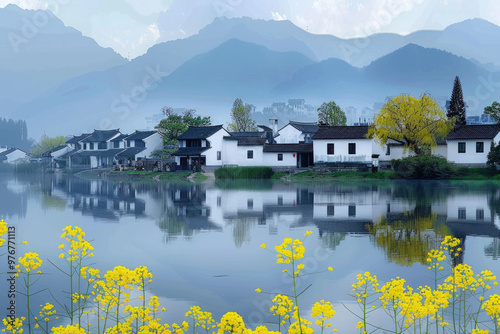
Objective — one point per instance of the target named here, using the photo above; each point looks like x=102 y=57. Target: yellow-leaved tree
x=416 y=122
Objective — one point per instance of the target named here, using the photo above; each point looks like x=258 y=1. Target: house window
x=479 y=214
x=352 y=210
x=219 y=155
x=462 y=213
x=219 y=201
x=479 y=147
x=461 y=147
x=330 y=210
x=330 y=148
x=280 y=200
x=84 y=146
x=280 y=156
x=352 y=148
x=117 y=144
x=388 y=151
x=250 y=154
x=250 y=204
x=91 y=146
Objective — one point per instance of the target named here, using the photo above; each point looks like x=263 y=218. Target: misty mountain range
x=64 y=83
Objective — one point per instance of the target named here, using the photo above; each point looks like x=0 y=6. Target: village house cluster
x=295 y=145
x=299 y=145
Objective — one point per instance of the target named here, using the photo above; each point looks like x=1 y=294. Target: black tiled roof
x=190 y=151
x=130 y=152
x=248 y=134
x=305 y=127
x=7 y=152
x=77 y=139
x=119 y=138
x=289 y=148
x=99 y=153
x=47 y=153
x=101 y=135
x=341 y=132
x=199 y=132
x=487 y=131
x=247 y=141
x=138 y=135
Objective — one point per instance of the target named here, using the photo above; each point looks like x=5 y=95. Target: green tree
x=173 y=125
x=47 y=143
x=331 y=114
x=493 y=111
x=241 y=115
x=457 y=106
x=418 y=123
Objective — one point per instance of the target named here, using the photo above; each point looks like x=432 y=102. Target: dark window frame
x=330 y=148
x=462 y=147
x=351 y=148
x=250 y=154
x=280 y=156
x=479 y=147
x=219 y=155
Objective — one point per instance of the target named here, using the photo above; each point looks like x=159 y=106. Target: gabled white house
x=13 y=156
x=341 y=144
x=295 y=132
x=51 y=157
x=469 y=144
x=97 y=149
x=140 y=144
x=201 y=145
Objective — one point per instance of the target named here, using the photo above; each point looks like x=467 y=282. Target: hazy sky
x=132 y=26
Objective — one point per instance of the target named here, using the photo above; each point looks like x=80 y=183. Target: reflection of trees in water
x=241 y=230
x=172 y=226
x=493 y=249
x=407 y=237
x=332 y=240
x=53 y=203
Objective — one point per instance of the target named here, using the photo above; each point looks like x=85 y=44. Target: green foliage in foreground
x=233 y=173
x=426 y=167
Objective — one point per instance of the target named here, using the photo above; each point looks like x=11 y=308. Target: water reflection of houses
x=474 y=214
x=104 y=200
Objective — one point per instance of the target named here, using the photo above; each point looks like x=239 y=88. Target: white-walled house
x=344 y=144
x=295 y=132
x=469 y=144
x=51 y=157
x=138 y=145
x=13 y=156
x=203 y=145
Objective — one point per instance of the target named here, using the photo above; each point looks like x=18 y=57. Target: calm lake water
x=201 y=241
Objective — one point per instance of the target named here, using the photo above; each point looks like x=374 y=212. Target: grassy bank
x=348 y=175
x=249 y=173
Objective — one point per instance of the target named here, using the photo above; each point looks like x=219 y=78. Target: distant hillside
x=234 y=69
x=258 y=61
x=38 y=52
x=411 y=69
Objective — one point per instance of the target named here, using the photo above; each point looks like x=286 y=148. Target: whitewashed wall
x=470 y=156
x=153 y=143
x=364 y=150
x=216 y=144
x=289 y=134
x=17 y=156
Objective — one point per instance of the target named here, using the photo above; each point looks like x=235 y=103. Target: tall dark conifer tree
x=457 y=106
